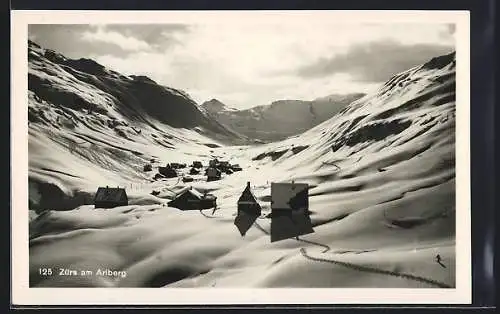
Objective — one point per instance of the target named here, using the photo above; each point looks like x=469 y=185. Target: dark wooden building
x=247 y=203
x=187 y=179
x=213 y=163
x=191 y=199
x=248 y=210
x=236 y=167
x=107 y=197
x=176 y=165
x=194 y=171
x=167 y=171
x=223 y=166
x=213 y=174
x=197 y=164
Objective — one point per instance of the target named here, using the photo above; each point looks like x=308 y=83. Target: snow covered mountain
x=279 y=119
x=381 y=175
x=91 y=93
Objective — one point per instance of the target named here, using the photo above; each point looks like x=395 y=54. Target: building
x=236 y=167
x=194 y=171
x=197 y=164
x=213 y=163
x=107 y=197
x=247 y=203
x=223 y=166
x=167 y=171
x=290 y=210
x=248 y=210
x=176 y=165
x=191 y=199
x=148 y=167
x=213 y=174
x=187 y=179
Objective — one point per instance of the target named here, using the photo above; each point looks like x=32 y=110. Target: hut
x=290 y=210
x=177 y=165
x=148 y=167
x=213 y=174
x=236 y=167
x=187 y=179
x=107 y=197
x=158 y=176
x=191 y=199
x=197 y=164
x=213 y=163
x=224 y=165
x=247 y=203
x=248 y=210
x=194 y=171
x=167 y=171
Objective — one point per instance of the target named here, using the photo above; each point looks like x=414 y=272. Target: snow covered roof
x=247 y=197
x=110 y=194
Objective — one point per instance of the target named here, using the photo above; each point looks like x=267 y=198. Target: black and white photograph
x=227 y=152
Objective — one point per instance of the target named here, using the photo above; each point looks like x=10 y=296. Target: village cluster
x=289 y=201
x=213 y=172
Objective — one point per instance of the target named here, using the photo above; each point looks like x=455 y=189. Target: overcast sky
x=249 y=65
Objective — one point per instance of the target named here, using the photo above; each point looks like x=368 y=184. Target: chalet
x=158 y=176
x=107 y=197
x=187 y=179
x=148 y=167
x=224 y=165
x=191 y=199
x=290 y=210
x=247 y=203
x=236 y=167
x=197 y=164
x=194 y=171
x=167 y=171
x=248 y=210
x=213 y=163
x=176 y=165
x=213 y=174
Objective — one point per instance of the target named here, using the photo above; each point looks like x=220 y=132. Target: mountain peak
x=440 y=61
x=214 y=105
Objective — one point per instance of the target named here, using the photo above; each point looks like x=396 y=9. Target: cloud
x=76 y=41
x=157 y=36
x=375 y=61
x=115 y=38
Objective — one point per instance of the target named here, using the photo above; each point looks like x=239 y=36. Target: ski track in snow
x=375 y=270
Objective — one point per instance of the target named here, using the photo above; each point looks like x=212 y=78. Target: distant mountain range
x=280 y=119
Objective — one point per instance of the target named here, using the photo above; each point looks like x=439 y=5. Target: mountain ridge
x=280 y=118
x=137 y=98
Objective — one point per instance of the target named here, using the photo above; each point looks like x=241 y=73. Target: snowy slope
x=281 y=118
x=382 y=190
